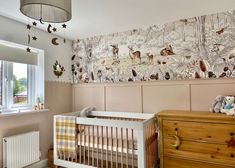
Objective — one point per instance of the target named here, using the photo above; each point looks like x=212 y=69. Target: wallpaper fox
x=193 y=48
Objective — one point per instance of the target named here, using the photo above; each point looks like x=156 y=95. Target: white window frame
x=7 y=84
x=3 y=86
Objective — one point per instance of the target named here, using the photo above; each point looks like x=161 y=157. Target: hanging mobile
x=34 y=38
x=40 y=20
x=54 y=29
x=54 y=41
x=34 y=23
x=28 y=27
x=64 y=26
x=29 y=37
x=49 y=28
x=28 y=49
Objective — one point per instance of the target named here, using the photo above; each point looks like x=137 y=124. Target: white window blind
x=11 y=74
x=17 y=54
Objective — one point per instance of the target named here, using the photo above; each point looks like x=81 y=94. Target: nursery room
x=117 y=84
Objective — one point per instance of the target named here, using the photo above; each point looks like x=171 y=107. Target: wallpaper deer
x=193 y=48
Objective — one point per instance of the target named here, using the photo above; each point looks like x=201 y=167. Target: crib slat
x=97 y=149
x=107 y=141
x=121 y=147
x=150 y=149
x=93 y=139
x=89 y=134
x=127 y=148
x=147 y=147
x=102 y=147
x=80 y=142
x=153 y=145
x=111 y=147
x=132 y=141
x=76 y=154
x=149 y=154
x=150 y=146
x=84 y=143
x=116 y=147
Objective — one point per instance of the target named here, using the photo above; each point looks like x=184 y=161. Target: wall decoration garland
x=194 y=48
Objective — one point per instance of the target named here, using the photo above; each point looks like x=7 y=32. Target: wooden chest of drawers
x=196 y=140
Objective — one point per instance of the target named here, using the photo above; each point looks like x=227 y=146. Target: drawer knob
x=177 y=142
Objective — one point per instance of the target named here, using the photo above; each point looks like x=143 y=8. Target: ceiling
x=98 y=17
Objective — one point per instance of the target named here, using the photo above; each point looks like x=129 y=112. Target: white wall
x=16 y=32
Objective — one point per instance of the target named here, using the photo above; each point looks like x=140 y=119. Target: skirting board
x=40 y=164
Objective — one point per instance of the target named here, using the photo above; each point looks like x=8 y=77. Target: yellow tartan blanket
x=66 y=136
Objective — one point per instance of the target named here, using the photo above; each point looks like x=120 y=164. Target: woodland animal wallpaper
x=193 y=48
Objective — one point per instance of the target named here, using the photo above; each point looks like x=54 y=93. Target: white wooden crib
x=112 y=140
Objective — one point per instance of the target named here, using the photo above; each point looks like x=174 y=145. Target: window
x=18 y=87
x=20 y=83
x=1 y=82
x=21 y=77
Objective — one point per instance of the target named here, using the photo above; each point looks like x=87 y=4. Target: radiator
x=21 y=150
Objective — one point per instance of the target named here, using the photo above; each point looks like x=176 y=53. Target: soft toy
x=231 y=112
x=217 y=104
x=228 y=105
x=86 y=112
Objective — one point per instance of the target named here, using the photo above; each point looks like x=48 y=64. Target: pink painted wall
x=58 y=100
x=151 y=97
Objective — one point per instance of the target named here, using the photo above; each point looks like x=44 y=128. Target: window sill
x=22 y=112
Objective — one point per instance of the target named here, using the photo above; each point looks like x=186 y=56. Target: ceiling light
x=52 y=11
